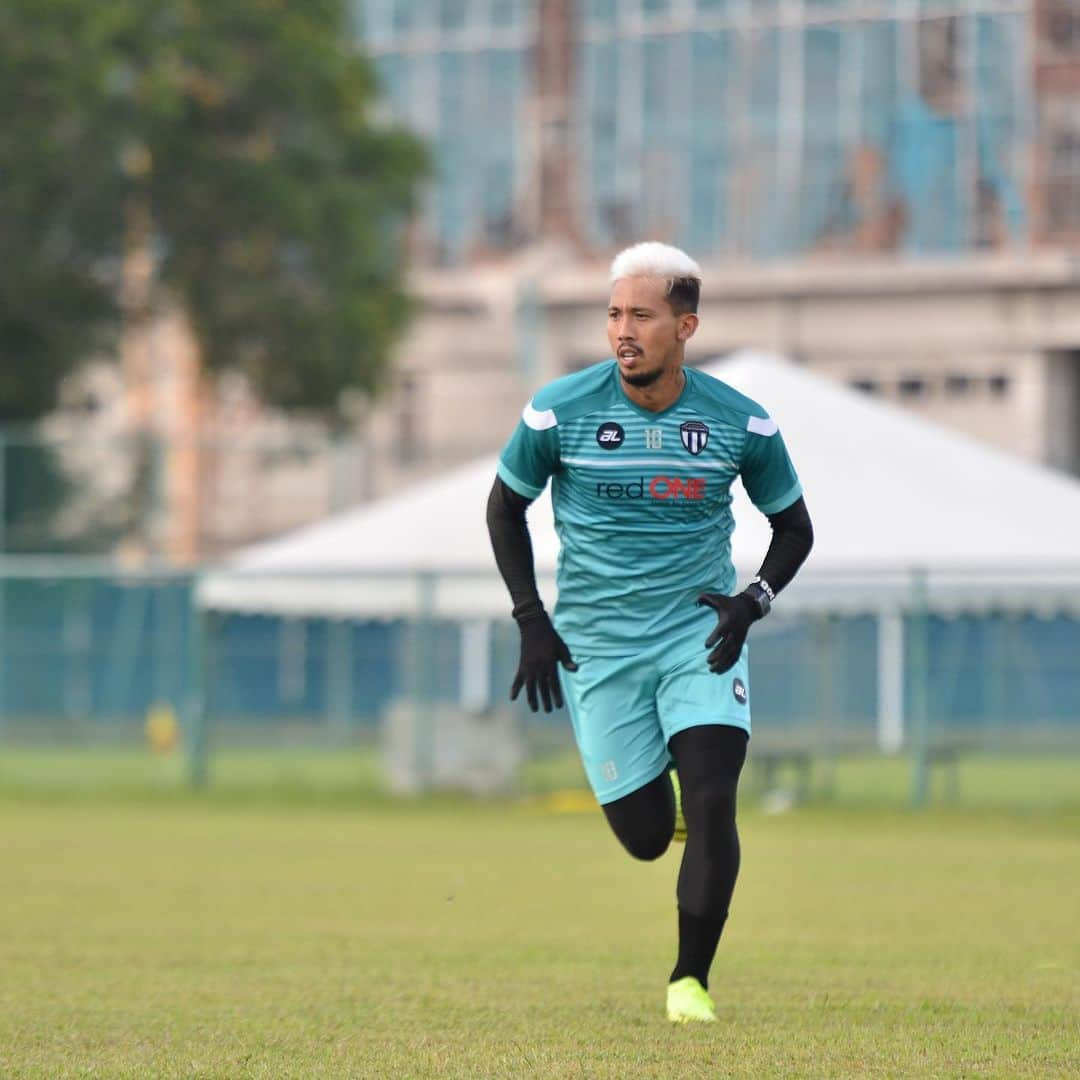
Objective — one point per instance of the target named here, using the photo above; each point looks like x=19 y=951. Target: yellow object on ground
x=569 y=801
x=162 y=728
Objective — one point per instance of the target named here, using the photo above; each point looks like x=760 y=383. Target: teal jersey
x=642 y=500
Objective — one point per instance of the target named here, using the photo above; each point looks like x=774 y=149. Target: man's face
x=643 y=332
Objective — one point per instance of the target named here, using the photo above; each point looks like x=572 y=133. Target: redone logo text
x=659 y=487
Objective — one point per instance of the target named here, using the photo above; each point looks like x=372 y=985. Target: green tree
x=61 y=197
x=61 y=200
x=241 y=132
x=278 y=202
x=236 y=140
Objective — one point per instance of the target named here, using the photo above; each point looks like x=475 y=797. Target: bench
x=769 y=760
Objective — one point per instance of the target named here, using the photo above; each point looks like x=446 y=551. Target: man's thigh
x=612 y=705
x=688 y=694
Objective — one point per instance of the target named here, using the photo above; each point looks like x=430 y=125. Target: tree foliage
x=242 y=133
x=61 y=200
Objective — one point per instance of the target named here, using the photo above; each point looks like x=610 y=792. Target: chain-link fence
x=91 y=657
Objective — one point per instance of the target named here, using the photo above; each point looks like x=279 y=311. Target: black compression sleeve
x=792 y=539
x=513 y=549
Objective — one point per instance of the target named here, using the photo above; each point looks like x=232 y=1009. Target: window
x=505 y=13
x=939 y=63
x=404 y=16
x=442 y=64
x=1061 y=26
x=999 y=385
x=912 y=386
x=1063 y=180
x=958 y=384
x=452 y=14
x=865 y=386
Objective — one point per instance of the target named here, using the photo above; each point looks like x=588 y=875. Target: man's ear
x=688 y=323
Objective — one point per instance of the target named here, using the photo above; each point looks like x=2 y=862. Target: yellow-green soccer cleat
x=679 y=836
x=688 y=1002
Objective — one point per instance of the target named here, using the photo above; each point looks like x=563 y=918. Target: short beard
x=646 y=378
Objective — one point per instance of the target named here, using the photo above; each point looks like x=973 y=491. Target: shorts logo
x=695 y=436
x=738 y=688
x=609 y=770
x=610 y=435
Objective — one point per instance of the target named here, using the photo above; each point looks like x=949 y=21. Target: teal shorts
x=625 y=709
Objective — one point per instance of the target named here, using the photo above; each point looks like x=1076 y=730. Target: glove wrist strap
x=765 y=586
x=760 y=596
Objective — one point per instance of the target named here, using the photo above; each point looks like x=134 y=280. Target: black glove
x=735 y=614
x=542 y=650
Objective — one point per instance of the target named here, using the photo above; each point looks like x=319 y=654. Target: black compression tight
x=709 y=759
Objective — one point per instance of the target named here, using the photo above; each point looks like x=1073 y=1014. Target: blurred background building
x=888 y=190
x=885 y=190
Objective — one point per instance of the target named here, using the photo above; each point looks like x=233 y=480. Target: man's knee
x=644 y=820
x=711 y=806
x=646 y=845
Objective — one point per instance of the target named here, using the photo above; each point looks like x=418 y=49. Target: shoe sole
x=692 y=1019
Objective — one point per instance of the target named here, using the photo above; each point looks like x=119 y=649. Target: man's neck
x=659 y=395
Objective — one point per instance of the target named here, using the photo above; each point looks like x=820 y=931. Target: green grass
x=1026 y=783
x=145 y=931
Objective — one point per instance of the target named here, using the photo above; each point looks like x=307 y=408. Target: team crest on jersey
x=695 y=436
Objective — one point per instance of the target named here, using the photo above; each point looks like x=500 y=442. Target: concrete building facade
x=888 y=190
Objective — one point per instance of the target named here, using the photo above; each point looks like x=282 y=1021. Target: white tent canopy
x=902 y=508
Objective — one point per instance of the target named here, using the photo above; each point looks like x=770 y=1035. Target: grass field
x=237 y=935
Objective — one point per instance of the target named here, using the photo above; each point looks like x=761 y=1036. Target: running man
x=648 y=643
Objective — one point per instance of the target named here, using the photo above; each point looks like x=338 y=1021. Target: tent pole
x=475 y=664
x=424 y=733
x=339 y=672
x=890 y=681
x=919 y=696
x=199 y=634
x=826 y=635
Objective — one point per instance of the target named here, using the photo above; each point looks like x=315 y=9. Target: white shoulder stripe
x=539 y=419
x=760 y=426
